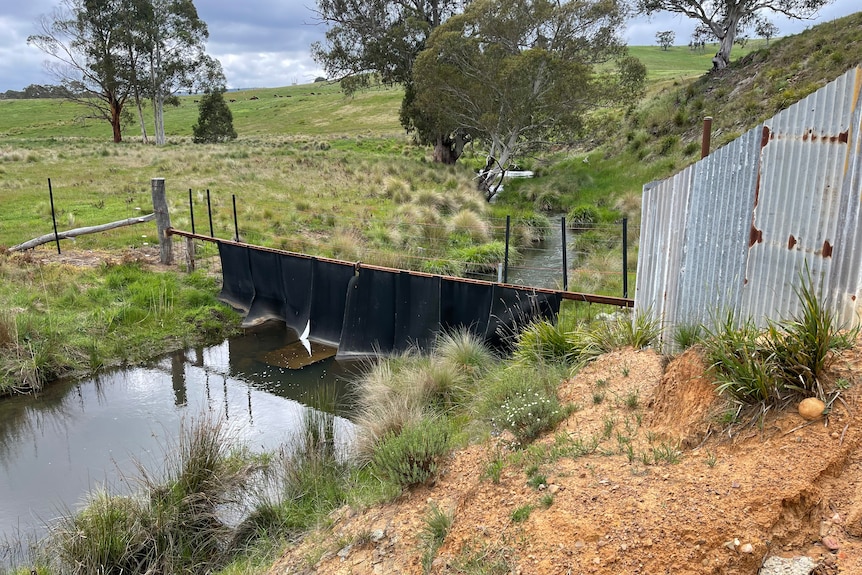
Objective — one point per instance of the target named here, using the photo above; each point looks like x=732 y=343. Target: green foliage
x=788 y=357
x=542 y=342
x=412 y=456
x=437 y=525
x=522 y=513
x=174 y=526
x=616 y=332
x=804 y=345
x=115 y=313
x=215 y=120
x=686 y=336
x=528 y=415
x=467 y=73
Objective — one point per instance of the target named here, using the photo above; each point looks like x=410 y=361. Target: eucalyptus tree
x=726 y=19
x=175 y=56
x=378 y=41
x=518 y=75
x=107 y=51
x=94 y=55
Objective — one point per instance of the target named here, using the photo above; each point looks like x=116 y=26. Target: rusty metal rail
x=568 y=295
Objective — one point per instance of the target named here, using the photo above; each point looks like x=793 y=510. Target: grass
x=64 y=320
x=786 y=359
x=434 y=531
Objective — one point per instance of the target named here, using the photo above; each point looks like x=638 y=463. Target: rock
x=747 y=548
x=784 y=566
x=830 y=543
x=377 y=535
x=811 y=408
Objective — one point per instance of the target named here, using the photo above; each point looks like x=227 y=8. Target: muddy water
x=57 y=446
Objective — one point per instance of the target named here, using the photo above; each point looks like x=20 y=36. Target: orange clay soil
x=720 y=504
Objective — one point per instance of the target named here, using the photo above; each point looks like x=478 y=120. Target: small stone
x=830 y=543
x=811 y=408
x=579 y=544
x=553 y=489
x=377 y=535
x=747 y=548
x=735 y=485
x=834 y=435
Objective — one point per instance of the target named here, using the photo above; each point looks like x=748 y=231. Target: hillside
x=661 y=487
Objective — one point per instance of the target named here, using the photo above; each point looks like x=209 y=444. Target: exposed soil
x=780 y=486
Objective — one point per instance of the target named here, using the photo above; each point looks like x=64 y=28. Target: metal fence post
x=235 y=225
x=53 y=216
x=506 y=258
x=563 y=247
x=625 y=257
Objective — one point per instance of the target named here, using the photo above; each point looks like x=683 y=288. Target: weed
x=666 y=452
x=711 y=459
x=536 y=480
x=528 y=415
x=437 y=525
x=411 y=456
x=598 y=397
x=522 y=513
x=632 y=400
x=547 y=500
x=494 y=469
x=685 y=336
x=542 y=342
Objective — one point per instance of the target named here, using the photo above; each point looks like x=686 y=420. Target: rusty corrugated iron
x=736 y=230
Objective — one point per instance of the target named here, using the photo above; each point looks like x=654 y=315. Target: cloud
x=266 y=43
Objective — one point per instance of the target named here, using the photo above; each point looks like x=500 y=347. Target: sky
x=266 y=43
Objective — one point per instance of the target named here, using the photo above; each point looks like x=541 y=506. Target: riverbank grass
x=60 y=320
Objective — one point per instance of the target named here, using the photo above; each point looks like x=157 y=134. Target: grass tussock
x=785 y=359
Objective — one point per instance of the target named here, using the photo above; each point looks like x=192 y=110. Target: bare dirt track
x=667 y=490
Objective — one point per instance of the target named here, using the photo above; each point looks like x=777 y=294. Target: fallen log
x=81 y=232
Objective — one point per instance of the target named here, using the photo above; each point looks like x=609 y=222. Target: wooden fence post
x=163 y=221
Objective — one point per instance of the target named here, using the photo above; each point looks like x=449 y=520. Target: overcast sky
x=265 y=43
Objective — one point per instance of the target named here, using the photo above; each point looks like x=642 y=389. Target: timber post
x=163 y=221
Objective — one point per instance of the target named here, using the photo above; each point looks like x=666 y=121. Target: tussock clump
x=470 y=224
x=347 y=245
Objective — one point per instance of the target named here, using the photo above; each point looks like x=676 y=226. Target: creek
x=57 y=446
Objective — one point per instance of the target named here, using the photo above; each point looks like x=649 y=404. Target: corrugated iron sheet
x=736 y=231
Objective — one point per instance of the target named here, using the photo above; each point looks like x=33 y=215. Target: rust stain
x=764 y=139
x=853 y=297
x=826 y=252
x=755 y=237
x=791 y=242
x=843 y=136
x=805 y=135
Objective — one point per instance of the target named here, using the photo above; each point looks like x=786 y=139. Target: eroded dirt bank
x=665 y=489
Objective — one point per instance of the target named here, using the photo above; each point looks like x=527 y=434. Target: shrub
x=412 y=456
x=528 y=415
x=215 y=121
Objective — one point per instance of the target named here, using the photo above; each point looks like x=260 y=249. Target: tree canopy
x=215 y=120
x=379 y=40
x=726 y=19
x=107 y=51
x=520 y=74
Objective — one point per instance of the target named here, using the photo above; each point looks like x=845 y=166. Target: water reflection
x=58 y=445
